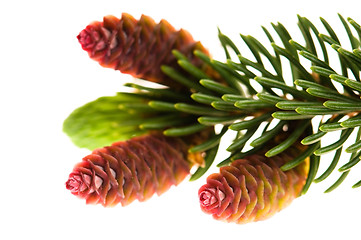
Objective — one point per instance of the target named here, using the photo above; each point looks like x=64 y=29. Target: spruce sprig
x=283 y=108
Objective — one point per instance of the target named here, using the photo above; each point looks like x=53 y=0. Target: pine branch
x=199 y=94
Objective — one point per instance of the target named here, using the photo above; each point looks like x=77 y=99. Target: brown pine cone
x=253 y=188
x=138 y=47
x=129 y=170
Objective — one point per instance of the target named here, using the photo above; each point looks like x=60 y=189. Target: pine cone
x=138 y=48
x=129 y=170
x=253 y=188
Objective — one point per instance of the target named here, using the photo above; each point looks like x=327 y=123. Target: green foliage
x=313 y=92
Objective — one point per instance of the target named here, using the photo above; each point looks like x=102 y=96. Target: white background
x=44 y=75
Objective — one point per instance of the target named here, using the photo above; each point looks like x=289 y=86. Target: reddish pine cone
x=252 y=189
x=129 y=170
x=138 y=48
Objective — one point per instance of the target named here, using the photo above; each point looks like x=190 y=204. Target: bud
x=253 y=188
x=138 y=47
x=130 y=170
